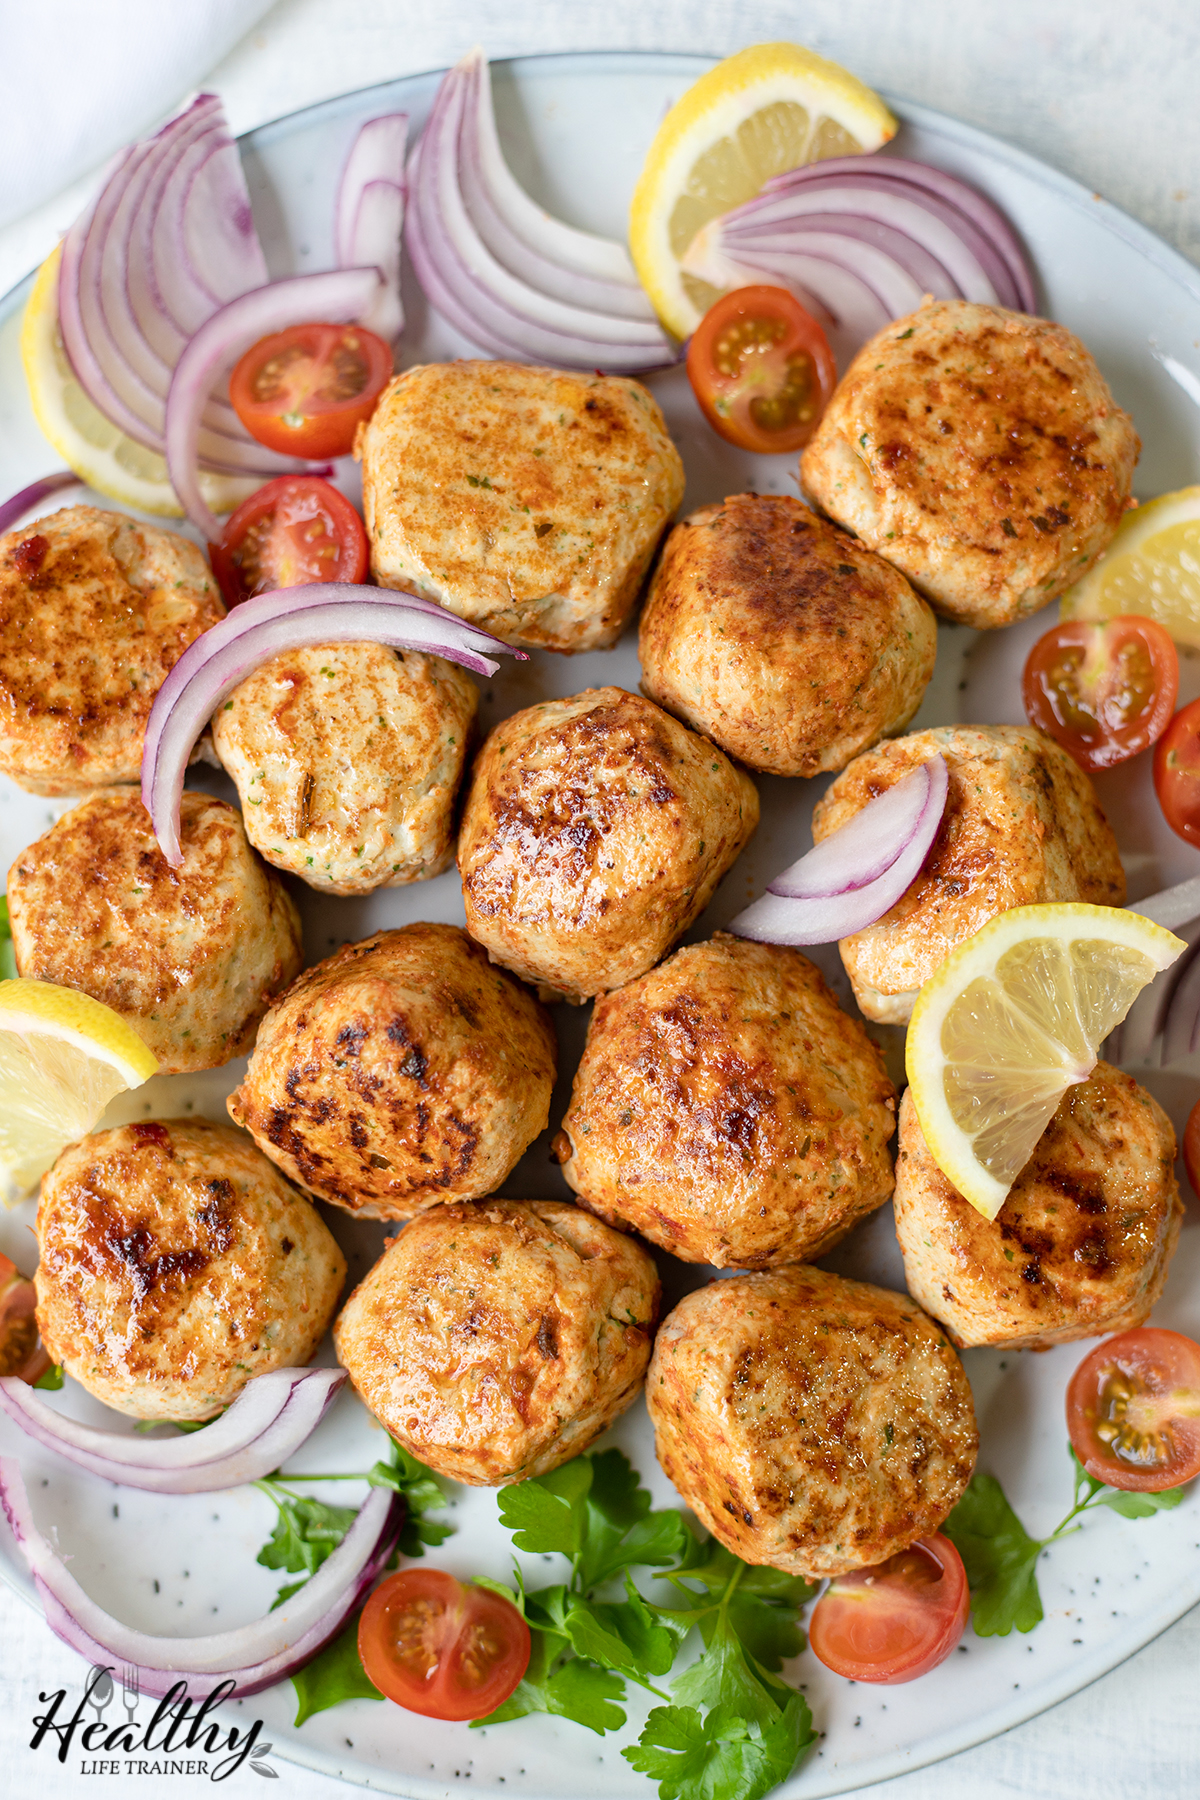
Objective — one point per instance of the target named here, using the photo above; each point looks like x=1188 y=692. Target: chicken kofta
x=529 y=501
x=781 y=638
x=95 y=611
x=495 y=1340
x=981 y=452
x=402 y=1071
x=176 y=1264
x=190 y=957
x=595 y=831
x=727 y=1109
x=1081 y=1245
x=347 y=760
x=1022 y=825
x=811 y=1423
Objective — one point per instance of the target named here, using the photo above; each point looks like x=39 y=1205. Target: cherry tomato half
x=442 y=1649
x=1104 y=688
x=297 y=529
x=306 y=390
x=20 y=1352
x=762 y=369
x=1177 y=773
x=1133 y=1410
x=897 y=1620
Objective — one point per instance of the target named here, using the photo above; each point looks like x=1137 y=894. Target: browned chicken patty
x=347 y=760
x=495 y=1340
x=528 y=500
x=727 y=1109
x=811 y=1423
x=1022 y=825
x=176 y=1264
x=1081 y=1245
x=191 y=957
x=595 y=831
x=402 y=1071
x=781 y=637
x=979 y=450
x=95 y=611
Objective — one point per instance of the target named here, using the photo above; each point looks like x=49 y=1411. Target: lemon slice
x=1151 y=567
x=89 y=443
x=63 y=1057
x=1012 y=1019
x=767 y=109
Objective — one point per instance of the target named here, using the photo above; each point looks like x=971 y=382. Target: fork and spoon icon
x=101 y=1690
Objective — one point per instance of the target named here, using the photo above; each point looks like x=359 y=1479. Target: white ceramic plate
x=576 y=129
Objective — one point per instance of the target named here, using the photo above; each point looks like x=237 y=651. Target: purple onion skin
x=21 y=503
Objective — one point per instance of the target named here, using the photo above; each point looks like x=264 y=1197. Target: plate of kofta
x=465 y=1084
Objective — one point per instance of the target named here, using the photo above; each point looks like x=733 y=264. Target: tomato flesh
x=895 y=1621
x=1177 y=773
x=1105 y=689
x=761 y=369
x=306 y=390
x=440 y=1648
x=1133 y=1410
x=20 y=1352
x=295 y=530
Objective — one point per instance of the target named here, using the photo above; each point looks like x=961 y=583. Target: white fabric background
x=1101 y=89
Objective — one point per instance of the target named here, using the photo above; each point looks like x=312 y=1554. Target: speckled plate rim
x=1144 y=242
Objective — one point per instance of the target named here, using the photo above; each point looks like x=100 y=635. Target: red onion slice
x=377 y=154
x=832 y=892
x=252 y=1656
x=267 y=1423
x=286 y=619
x=30 y=501
x=338 y=294
x=369 y=216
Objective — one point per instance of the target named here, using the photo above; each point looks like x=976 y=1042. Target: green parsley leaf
x=8 y=961
x=1000 y=1558
x=334 y=1674
x=546 y=1513
x=578 y=1690
x=720 y=1756
x=306 y=1532
x=722 y=1677
x=1129 y=1504
x=596 y=1511
x=410 y=1478
x=761 y=1609
x=51 y=1379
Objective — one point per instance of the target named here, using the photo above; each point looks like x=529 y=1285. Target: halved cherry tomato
x=895 y=1621
x=296 y=529
x=1105 y=689
x=1177 y=773
x=1191 y=1148
x=442 y=1649
x=1133 y=1410
x=306 y=390
x=20 y=1352
x=762 y=369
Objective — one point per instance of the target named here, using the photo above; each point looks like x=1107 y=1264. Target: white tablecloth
x=1102 y=90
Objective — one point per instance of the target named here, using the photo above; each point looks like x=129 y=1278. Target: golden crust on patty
x=402 y=1071
x=95 y=611
x=781 y=637
x=979 y=450
x=191 y=957
x=595 y=831
x=727 y=1109
x=496 y=1340
x=1081 y=1245
x=811 y=1423
x=177 y=1263
x=528 y=500
x=347 y=759
x=1022 y=825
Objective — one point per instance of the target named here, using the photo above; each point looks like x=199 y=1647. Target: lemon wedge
x=89 y=443
x=767 y=109
x=1151 y=567
x=63 y=1057
x=1012 y=1019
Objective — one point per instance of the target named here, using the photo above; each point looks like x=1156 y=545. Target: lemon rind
x=1081 y=601
x=43 y=1008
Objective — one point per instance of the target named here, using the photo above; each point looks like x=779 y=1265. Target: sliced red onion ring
x=369 y=215
x=377 y=154
x=338 y=294
x=253 y=1656
x=31 y=500
x=855 y=875
x=272 y=1416
x=495 y=308
x=285 y=619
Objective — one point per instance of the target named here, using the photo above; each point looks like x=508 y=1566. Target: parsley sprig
x=1000 y=1556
